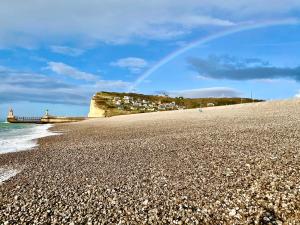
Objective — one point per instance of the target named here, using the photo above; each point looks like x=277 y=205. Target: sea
x=19 y=137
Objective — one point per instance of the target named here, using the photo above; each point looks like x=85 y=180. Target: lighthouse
x=11 y=117
x=10 y=114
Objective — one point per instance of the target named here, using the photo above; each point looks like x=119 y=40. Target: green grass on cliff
x=103 y=100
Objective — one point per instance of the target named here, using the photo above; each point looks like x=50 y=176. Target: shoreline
x=227 y=165
x=23 y=138
x=25 y=143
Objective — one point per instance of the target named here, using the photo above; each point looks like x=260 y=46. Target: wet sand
x=227 y=165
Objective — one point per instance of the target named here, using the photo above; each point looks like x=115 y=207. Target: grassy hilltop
x=106 y=100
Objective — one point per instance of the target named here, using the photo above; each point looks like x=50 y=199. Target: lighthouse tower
x=11 y=117
x=10 y=114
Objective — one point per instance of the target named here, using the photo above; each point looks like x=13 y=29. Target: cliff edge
x=95 y=111
x=106 y=104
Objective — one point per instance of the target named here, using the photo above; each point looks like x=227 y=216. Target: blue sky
x=54 y=55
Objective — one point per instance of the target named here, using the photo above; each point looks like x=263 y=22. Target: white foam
x=7 y=173
x=24 y=139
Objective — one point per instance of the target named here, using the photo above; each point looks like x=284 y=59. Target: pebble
x=181 y=167
x=232 y=212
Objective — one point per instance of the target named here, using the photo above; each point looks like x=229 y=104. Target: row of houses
x=129 y=103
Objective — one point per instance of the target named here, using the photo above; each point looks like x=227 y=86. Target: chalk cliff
x=107 y=104
x=95 y=111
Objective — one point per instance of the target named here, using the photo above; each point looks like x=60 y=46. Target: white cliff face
x=95 y=111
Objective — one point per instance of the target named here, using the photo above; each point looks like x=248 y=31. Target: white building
x=118 y=102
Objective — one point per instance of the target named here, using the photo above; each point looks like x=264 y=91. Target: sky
x=56 y=54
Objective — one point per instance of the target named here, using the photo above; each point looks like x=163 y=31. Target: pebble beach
x=225 y=165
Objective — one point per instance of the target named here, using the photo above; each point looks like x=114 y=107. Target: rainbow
x=203 y=40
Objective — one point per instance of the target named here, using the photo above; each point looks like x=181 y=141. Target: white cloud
x=216 y=92
x=24 y=86
x=195 y=20
x=135 y=65
x=102 y=85
x=94 y=81
x=66 y=70
x=34 y=87
x=64 y=50
x=200 y=77
x=274 y=81
x=28 y=23
x=297 y=95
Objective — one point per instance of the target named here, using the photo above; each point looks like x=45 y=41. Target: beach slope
x=226 y=165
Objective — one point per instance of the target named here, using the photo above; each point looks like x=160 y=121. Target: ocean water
x=20 y=137
x=6 y=173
